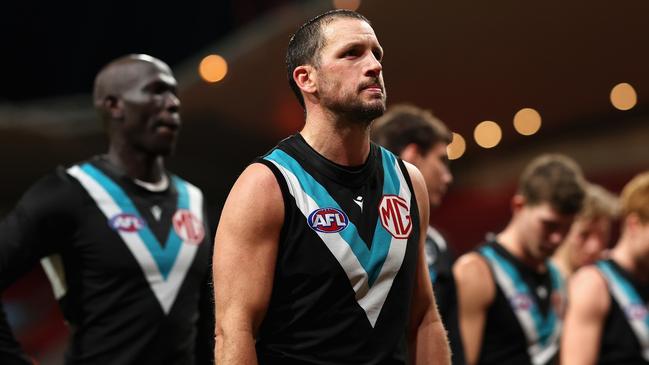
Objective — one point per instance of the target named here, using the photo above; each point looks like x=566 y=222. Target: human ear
x=411 y=153
x=113 y=106
x=305 y=77
x=518 y=202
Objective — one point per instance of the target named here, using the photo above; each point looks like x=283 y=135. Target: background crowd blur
x=511 y=79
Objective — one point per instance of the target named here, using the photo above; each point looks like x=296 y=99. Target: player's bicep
x=475 y=292
x=423 y=299
x=245 y=249
x=588 y=303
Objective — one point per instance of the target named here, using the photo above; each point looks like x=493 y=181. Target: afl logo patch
x=328 y=220
x=636 y=312
x=394 y=212
x=521 y=301
x=125 y=222
x=188 y=227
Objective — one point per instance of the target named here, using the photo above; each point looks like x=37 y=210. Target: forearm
x=429 y=344
x=236 y=347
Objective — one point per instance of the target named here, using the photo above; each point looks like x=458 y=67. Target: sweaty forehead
x=347 y=30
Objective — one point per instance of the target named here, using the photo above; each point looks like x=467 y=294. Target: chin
x=164 y=150
x=372 y=111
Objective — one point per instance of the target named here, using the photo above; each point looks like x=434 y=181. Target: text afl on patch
x=328 y=220
x=126 y=222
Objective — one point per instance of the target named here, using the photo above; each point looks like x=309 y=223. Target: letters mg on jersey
x=188 y=227
x=394 y=212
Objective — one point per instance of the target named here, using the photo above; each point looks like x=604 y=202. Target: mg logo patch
x=328 y=220
x=126 y=222
x=188 y=227
x=394 y=212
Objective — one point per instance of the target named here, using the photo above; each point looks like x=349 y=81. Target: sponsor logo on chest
x=328 y=220
x=188 y=227
x=125 y=222
x=637 y=312
x=521 y=301
x=394 y=212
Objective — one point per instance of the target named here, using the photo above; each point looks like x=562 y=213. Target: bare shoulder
x=588 y=290
x=473 y=275
x=472 y=265
x=258 y=177
x=255 y=197
x=418 y=183
x=257 y=184
x=421 y=194
x=415 y=176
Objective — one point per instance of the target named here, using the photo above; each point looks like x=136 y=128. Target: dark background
x=466 y=61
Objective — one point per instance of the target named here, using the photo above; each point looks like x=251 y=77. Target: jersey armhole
x=492 y=275
x=286 y=195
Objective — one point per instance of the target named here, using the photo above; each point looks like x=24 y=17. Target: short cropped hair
x=635 y=197
x=306 y=43
x=404 y=124
x=599 y=203
x=555 y=179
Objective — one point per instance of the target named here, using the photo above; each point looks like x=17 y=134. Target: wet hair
x=599 y=203
x=306 y=43
x=635 y=197
x=555 y=179
x=404 y=124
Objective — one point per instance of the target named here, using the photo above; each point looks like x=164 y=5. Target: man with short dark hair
x=418 y=137
x=510 y=295
x=319 y=253
x=123 y=240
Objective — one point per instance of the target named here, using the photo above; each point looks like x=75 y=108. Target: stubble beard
x=357 y=111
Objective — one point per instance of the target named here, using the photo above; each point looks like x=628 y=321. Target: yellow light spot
x=527 y=121
x=347 y=4
x=487 y=134
x=623 y=96
x=213 y=68
x=456 y=148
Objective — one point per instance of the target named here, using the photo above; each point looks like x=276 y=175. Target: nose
x=556 y=238
x=594 y=245
x=447 y=176
x=172 y=103
x=374 y=67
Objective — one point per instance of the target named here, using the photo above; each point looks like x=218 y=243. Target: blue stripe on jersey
x=544 y=327
x=163 y=256
x=382 y=238
x=371 y=259
x=629 y=291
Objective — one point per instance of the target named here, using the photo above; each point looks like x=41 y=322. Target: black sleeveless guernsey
x=347 y=258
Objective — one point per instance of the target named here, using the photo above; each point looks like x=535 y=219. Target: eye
x=159 y=88
x=378 y=54
x=350 y=53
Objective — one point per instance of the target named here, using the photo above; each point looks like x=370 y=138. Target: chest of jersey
x=125 y=239
x=345 y=267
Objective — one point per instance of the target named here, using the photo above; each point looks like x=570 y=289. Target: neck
x=627 y=260
x=511 y=240
x=339 y=140
x=137 y=165
x=561 y=260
